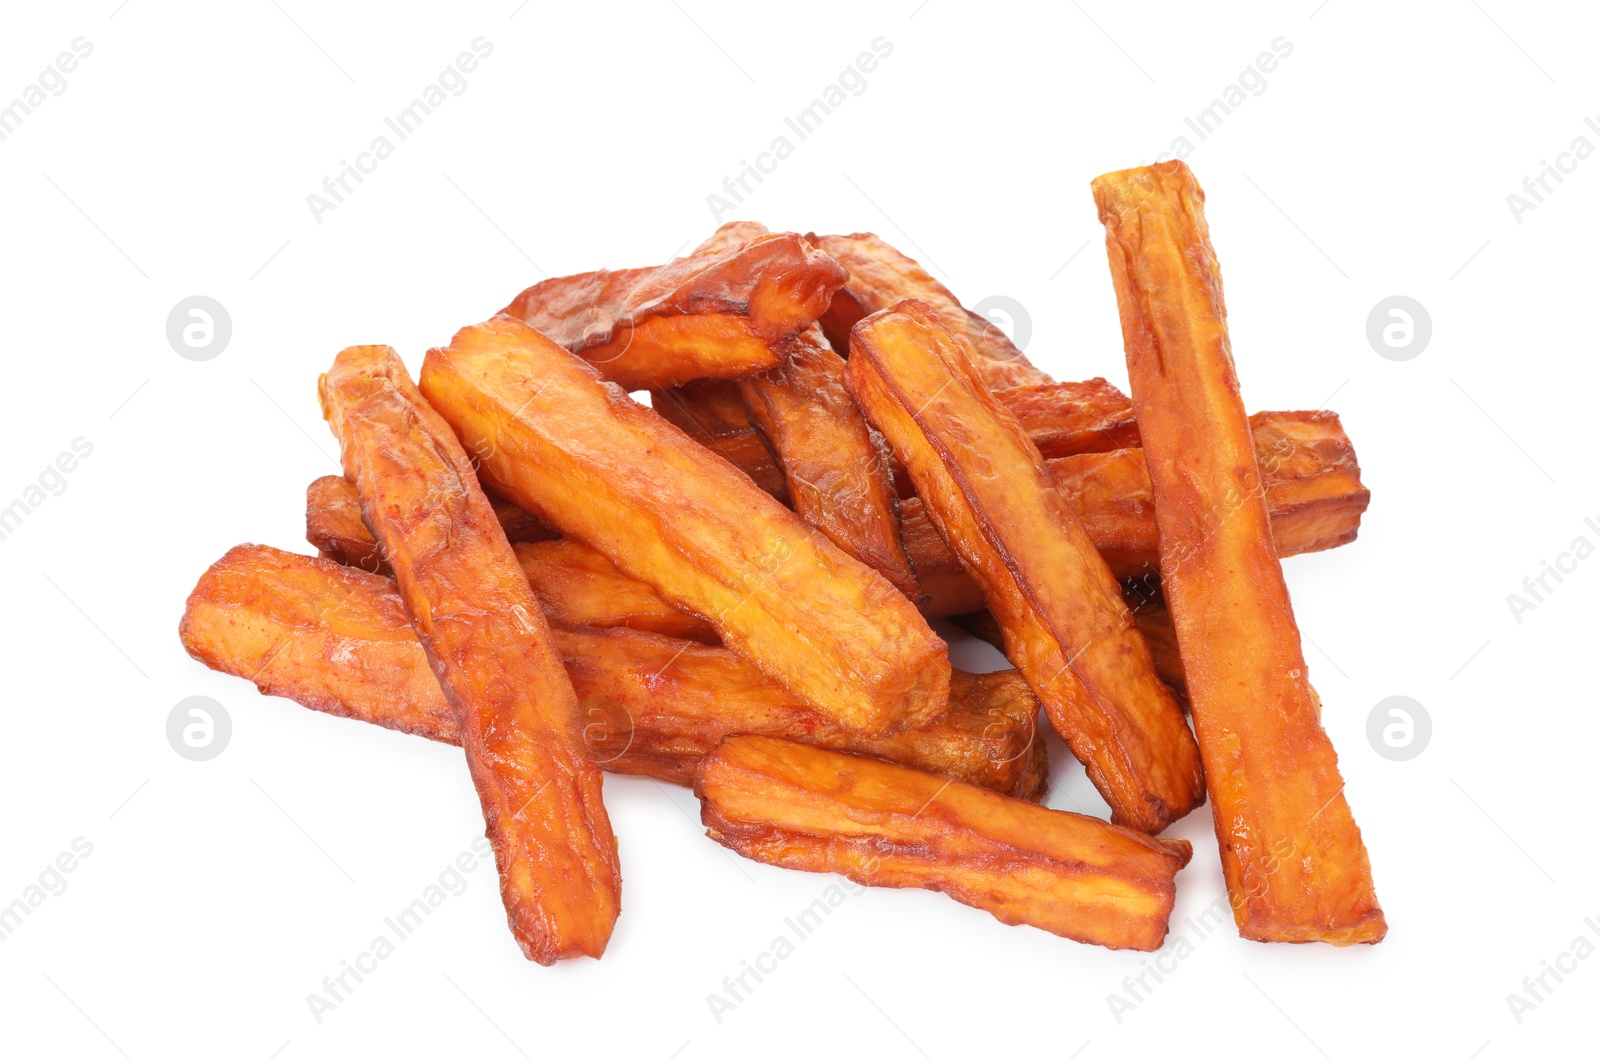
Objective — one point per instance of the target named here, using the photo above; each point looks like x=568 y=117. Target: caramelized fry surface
x=796 y=806
x=985 y=487
x=337 y=640
x=1066 y=418
x=1292 y=855
x=607 y=471
x=836 y=470
x=490 y=648
x=714 y=314
x=881 y=276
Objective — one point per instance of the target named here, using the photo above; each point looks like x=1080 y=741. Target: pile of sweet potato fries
x=730 y=587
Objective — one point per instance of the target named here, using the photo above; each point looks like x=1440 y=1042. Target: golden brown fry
x=1292 y=855
x=880 y=276
x=1150 y=617
x=796 y=806
x=605 y=470
x=489 y=645
x=837 y=471
x=334 y=526
x=338 y=640
x=1313 y=492
x=575 y=584
x=713 y=314
x=986 y=489
x=704 y=406
x=1066 y=418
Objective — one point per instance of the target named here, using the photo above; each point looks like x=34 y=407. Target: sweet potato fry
x=985 y=487
x=1292 y=855
x=880 y=276
x=334 y=526
x=705 y=406
x=796 y=806
x=337 y=640
x=1066 y=418
x=836 y=469
x=713 y=314
x=487 y=640
x=605 y=470
x=1313 y=493
x=1150 y=617
x=575 y=584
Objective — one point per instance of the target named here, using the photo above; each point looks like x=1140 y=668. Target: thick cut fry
x=837 y=470
x=1150 y=617
x=1292 y=855
x=985 y=487
x=337 y=640
x=575 y=584
x=1066 y=418
x=334 y=526
x=487 y=640
x=796 y=806
x=880 y=276
x=705 y=406
x=1308 y=467
x=605 y=470
x=713 y=314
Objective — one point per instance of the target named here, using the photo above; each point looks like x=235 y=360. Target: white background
x=1376 y=161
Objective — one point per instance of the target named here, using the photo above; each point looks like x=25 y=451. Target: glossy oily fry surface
x=986 y=489
x=337 y=640
x=490 y=648
x=714 y=314
x=837 y=472
x=1292 y=855
x=881 y=276
x=796 y=806
x=605 y=470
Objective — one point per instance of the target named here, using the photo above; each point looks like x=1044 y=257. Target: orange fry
x=985 y=487
x=796 y=806
x=607 y=471
x=489 y=645
x=337 y=640
x=1292 y=855
x=881 y=276
x=713 y=314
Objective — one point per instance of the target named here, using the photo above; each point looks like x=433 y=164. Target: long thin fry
x=799 y=807
x=1292 y=855
x=491 y=650
x=337 y=640
x=986 y=489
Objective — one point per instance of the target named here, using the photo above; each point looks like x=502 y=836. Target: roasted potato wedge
x=881 y=276
x=714 y=314
x=337 y=640
x=796 y=806
x=705 y=406
x=1292 y=855
x=985 y=487
x=600 y=468
x=487 y=640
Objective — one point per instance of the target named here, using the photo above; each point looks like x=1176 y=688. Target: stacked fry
x=730 y=587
